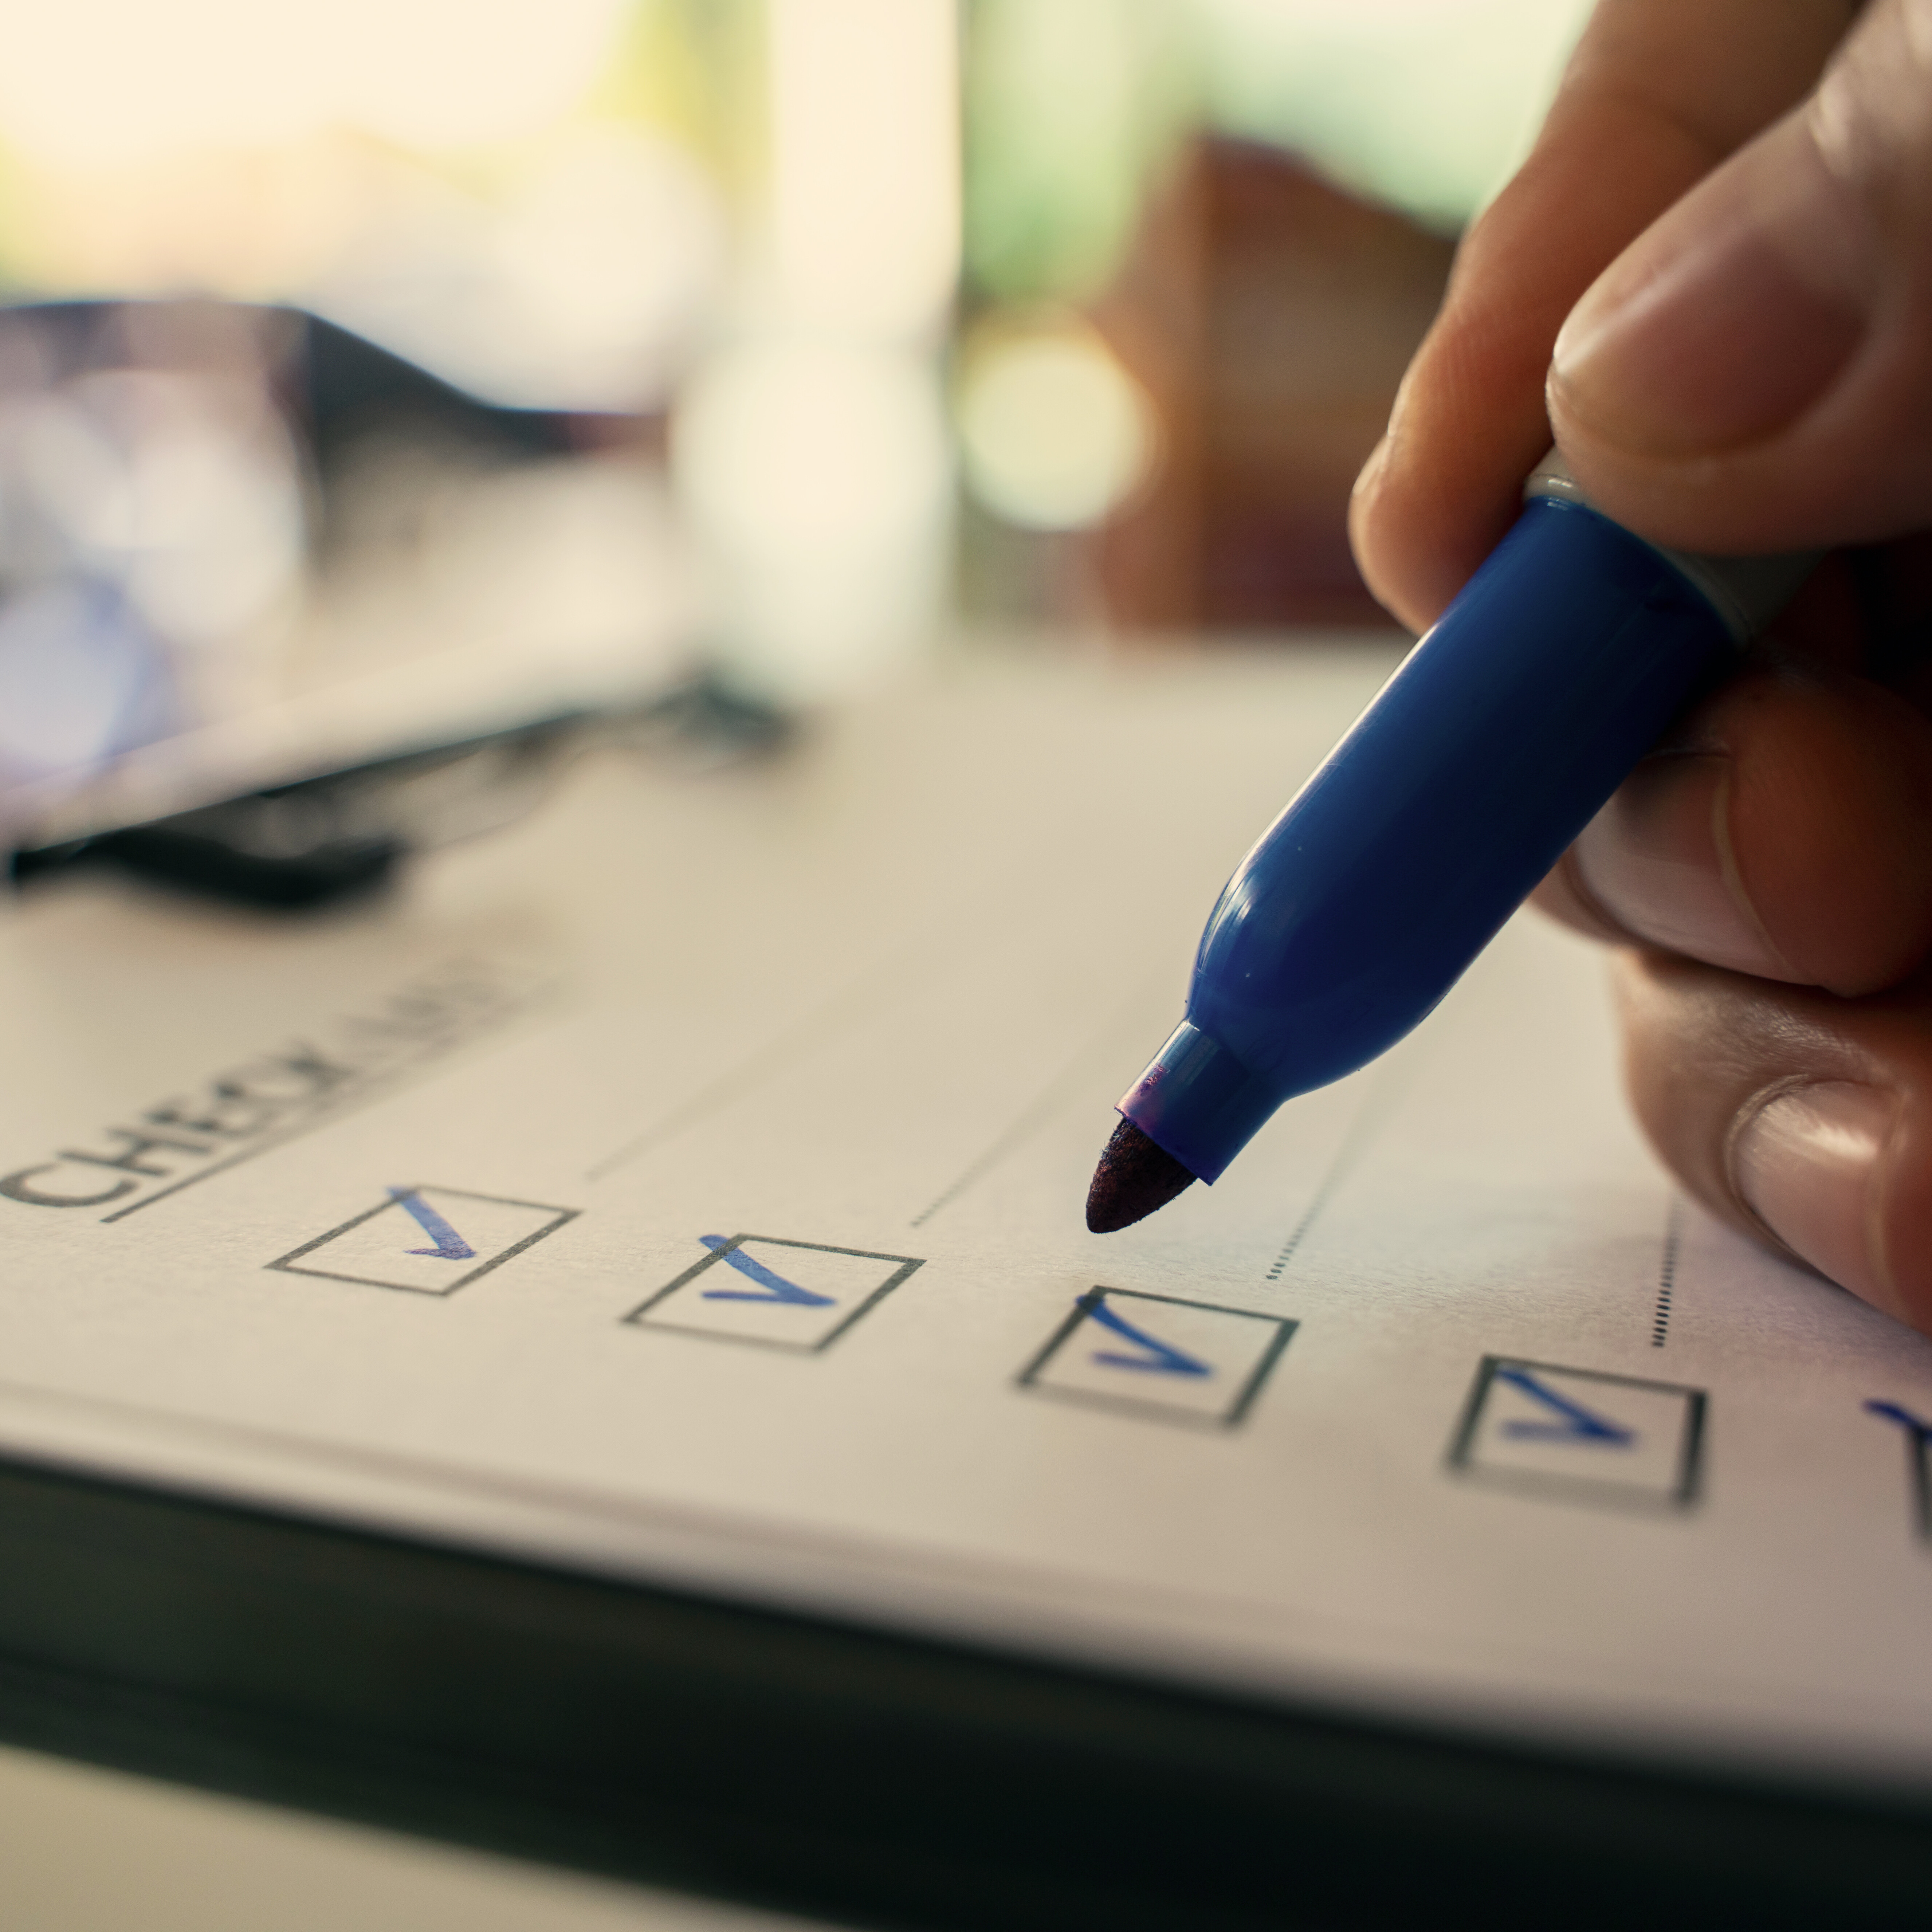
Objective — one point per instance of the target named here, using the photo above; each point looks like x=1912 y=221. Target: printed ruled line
x=1017 y=1131
x=1037 y=1112
x=904 y=975
x=1377 y=1105
x=849 y=1007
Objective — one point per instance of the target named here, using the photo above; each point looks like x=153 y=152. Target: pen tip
x=1134 y=1178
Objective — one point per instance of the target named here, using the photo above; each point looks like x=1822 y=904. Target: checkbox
x=775 y=1293
x=1581 y=1434
x=427 y=1240
x=1159 y=1356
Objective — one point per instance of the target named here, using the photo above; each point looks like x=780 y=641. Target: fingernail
x=1658 y=860
x=1806 y=1166
x=1730 y=316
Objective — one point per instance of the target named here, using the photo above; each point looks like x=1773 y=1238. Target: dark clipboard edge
x=866 y=1777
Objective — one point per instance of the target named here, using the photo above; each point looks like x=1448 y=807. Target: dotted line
x=1374 y=1109
x=1294 y=1241
x=1673 y=1233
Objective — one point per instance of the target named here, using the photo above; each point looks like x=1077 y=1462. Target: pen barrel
x=1502 y=734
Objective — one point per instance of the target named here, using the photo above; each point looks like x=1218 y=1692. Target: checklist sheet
x=686 y=1186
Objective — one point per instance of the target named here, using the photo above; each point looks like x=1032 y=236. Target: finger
x=1894 y=595
x=1752 y=373
x=1806 y=1121
x=1785 y=831
x=1656 y=95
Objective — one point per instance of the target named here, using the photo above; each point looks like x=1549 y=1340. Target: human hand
x=1712 y=279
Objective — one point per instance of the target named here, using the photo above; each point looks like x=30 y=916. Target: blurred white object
x=79 y=681
x=152 y=542
x=585 y=288
x=819 y=474
x=95 y=82
x=864 y=164
x=811 y=452
x=182 y=485
x=432 y=174
x=1055 y=433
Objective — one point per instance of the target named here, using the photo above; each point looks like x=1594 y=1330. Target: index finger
x=1657 y=93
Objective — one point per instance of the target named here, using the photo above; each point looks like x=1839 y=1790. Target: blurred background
x=375 y=371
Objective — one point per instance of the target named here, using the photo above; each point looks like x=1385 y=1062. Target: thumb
x=1754 y=372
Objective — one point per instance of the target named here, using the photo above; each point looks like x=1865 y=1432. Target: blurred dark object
x=184 y=486
x=1270 y=316
x=702 y=723
x=337 y=386
x=345 y=389
x=341 y=835
x=276 y=850
x=328 y=838
x=179 y=481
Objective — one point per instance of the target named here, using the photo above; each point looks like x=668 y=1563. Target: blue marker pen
x=1502 y=734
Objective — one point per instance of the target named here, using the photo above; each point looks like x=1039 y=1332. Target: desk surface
x=88 y=1850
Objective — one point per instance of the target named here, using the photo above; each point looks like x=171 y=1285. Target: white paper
x=687 y=1187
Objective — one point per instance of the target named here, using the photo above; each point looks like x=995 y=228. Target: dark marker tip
x=1134 y=1177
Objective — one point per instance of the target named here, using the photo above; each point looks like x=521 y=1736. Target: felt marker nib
x=1134 y=1178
